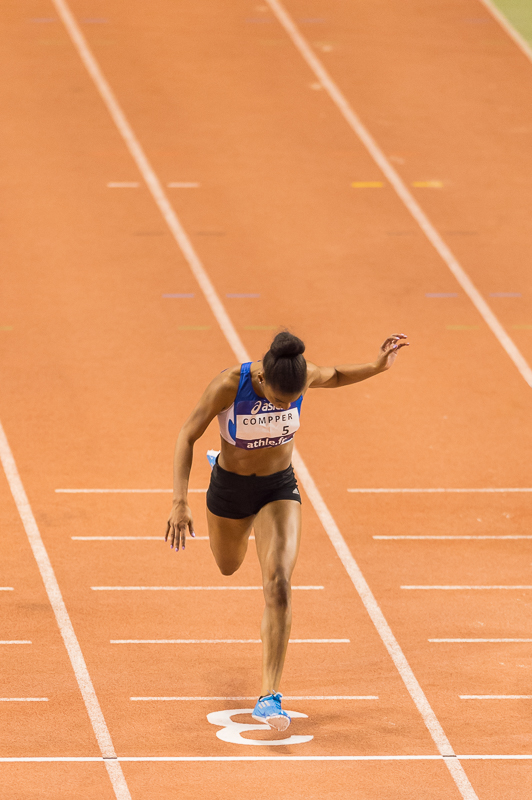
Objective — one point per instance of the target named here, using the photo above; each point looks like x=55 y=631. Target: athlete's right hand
x=176 y=529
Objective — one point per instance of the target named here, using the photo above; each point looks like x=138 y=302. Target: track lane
x=40 y=668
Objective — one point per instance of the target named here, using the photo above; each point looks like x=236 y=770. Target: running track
x=99 y=370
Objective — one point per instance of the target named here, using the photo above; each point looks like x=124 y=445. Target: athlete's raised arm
x=218 y=396
x=346 y=374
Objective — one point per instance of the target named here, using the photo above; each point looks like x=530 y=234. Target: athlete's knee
x=227 y=566
x=277 y=591
x=228 y=569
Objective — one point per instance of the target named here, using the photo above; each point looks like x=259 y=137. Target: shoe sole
x=278 y=722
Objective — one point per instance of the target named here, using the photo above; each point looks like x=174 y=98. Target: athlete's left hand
x=389 y=350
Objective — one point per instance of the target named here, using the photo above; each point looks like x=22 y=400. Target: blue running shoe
x=268 y=709
x=212 y=455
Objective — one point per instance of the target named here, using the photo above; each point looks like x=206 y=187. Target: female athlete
x=253 y=485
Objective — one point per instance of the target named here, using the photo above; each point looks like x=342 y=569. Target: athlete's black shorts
x=238 y=496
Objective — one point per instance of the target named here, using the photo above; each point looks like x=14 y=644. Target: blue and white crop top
x=252 y=421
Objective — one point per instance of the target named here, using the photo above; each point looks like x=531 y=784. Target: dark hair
x=285 y=367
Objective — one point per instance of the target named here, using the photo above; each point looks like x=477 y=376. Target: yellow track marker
x=522 y=327
x=367 y=185
x=428 y=184
x=462 y=327
x=194 y=328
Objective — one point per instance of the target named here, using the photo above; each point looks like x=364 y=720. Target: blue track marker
x=178 y=295
x=505 y=294
x=441 y=294
x=242 y=295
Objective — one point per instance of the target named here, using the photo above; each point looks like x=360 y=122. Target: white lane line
x=285 y=697
x=123 y=185
x=181 y=759
x=15 y=641
x=147 y=759
x=234 y=341
x=134 y=538
x=224 y=641
x=479 y=640
x=402 y=191
x=131 y=538
x=183 y=185
x=308 y=758
x=508 y=27
x=496 y=697
x=64 y=622
x=190 y=588
x=6 y=589
x=23 y=699
x=459 y=588
x=97 y=759
x=120 y=538
x=448 y=538
x=49 y=759
x=438 y=491
x=124 y=491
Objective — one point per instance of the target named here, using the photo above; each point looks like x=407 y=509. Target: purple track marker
x=441 y=294
x=178 y=295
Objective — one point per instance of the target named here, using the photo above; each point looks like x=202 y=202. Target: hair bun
x=286 y=345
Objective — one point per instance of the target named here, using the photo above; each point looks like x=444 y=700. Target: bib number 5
x=232 y=731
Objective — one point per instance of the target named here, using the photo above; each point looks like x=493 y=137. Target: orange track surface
x=99 y=371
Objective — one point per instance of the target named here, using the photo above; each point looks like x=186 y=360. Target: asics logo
x=260 y=406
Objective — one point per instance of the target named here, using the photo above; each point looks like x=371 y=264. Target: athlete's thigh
x=228 y=539
x=277 y=534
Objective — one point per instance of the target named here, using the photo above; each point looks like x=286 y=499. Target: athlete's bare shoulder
x=320 y=377
x=313 y=374
x=225 y=385
x=218 y=396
